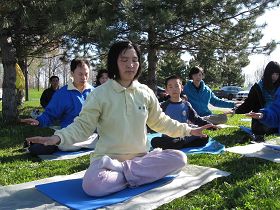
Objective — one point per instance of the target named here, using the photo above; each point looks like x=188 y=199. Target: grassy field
x=253 y=183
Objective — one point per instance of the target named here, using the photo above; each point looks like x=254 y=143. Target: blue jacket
x=64 y=106
x=202 y=97
x=271 y=114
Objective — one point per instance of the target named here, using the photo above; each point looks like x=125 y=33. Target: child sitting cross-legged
x=181 y=110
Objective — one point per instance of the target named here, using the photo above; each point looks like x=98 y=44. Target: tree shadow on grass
x=19 y=157
x=236 y=137
x=246 y=173
x=245 y=167
x=241 y=168
x=14 y=135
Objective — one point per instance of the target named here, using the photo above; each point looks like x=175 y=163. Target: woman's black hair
x=99 y=75
x=53 y=77
x=271 y=67
x=78 y=62
x=112 y=61
x=195 y=70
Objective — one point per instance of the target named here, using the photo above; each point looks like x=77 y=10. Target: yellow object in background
x=20 y=80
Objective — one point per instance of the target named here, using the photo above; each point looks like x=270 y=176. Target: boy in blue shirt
x=181 y=110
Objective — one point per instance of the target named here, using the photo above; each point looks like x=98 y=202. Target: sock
x=108 y=163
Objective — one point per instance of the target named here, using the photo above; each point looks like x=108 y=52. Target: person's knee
x=92 y=186
x=93 y=190
x=103 y=182
x=178 y=157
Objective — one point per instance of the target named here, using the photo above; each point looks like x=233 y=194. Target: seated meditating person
x=64 y=106
x=102 y=77
x=48 y=93
x=261 y=96
x=179 y=109
x=200 y=96
x=270 y=115
x=120 y=109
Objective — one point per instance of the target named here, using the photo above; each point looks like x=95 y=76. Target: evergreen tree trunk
x=26 y=80
x=38 y=79
x=152 y=66
x=9 y=99
x=152 y=60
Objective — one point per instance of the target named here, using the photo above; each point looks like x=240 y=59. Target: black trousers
x=40 y=149
x=260 y=129
x=166 y=142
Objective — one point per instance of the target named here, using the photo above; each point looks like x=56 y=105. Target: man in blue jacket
x=64 y=106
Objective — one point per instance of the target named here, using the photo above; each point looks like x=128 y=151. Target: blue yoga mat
x=212 y=147
x=61 y=153
x=273 y=146
x=153 y=135
x=246 y=129
x=71 y=194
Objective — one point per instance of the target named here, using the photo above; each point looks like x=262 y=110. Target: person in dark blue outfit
x=181 y=110
x=261 y=96
x=270 y=116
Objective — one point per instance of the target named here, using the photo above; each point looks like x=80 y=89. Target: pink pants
x=100 y=181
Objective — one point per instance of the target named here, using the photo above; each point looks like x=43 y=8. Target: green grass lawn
x=253 y=184
x=34 y=100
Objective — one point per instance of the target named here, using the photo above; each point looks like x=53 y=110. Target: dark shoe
x=245 y=139
x=25 y=144
x=258 y=139
x=25 y=147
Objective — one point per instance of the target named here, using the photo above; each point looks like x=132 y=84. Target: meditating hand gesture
x=30 y=121
x=255 y=115
x=198 y=131
x=48 y=140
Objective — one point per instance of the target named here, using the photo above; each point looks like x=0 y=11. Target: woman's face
x=128 y=65
x=55 y=83
x=104 y=77
x=197 y=78
x=274 y=77
x=80 y=75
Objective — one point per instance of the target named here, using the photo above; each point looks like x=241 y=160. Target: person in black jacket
x=48 y=93
x=181 y=110
x=102 y=77
x=260 y=96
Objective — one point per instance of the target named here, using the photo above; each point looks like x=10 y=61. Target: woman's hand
x=198 y=131
x=255 y=115
x=30 y=121
x=238 y=103
x=49 y=140
x=232 y=112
